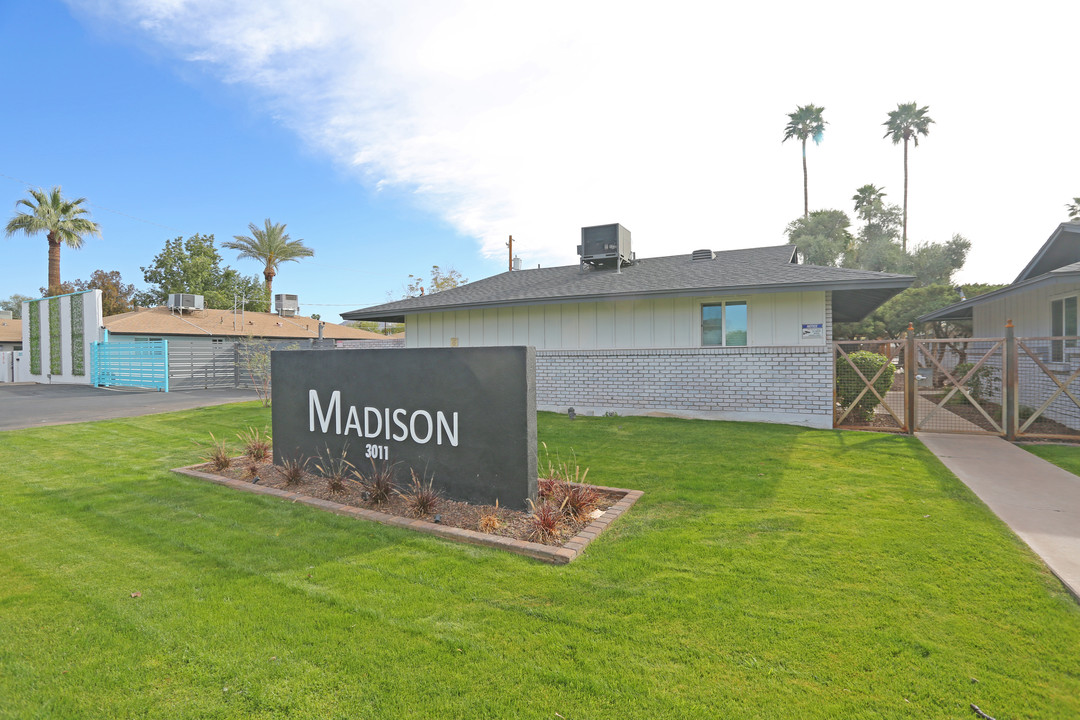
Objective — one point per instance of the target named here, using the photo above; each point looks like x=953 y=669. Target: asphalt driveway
x=26 y=405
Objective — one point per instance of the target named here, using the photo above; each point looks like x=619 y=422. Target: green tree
x=194 y=266
x=1074 y=209
x=907 y=122
x=869 y=202
x=116 y=295
x=14 y=304
x=822 y=237
x=892 y=318
x=440 y=280
x=806 y=122
x=65 y=222
x=271 y=246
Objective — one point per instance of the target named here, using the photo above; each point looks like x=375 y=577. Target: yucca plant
x=335 y=468
x=421 y=499
x=256 y=446
x=293 y=469
x=379 y=482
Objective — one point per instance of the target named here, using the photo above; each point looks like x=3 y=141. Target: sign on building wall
x=465 y=417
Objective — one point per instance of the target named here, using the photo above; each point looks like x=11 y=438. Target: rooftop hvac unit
x=605 y=245
x=286 y=305
x=185 y=301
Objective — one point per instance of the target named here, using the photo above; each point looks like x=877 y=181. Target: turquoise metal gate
x=131 y=364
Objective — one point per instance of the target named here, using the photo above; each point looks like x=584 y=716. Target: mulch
x=513 y=524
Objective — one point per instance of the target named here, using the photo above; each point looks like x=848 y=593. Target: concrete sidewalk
x=1038 y=500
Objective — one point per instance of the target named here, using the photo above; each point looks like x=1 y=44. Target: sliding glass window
x=724 y=324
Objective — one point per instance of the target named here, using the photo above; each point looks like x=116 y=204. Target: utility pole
x=510 y=245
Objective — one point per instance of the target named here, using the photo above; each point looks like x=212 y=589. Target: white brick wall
x=777 y=384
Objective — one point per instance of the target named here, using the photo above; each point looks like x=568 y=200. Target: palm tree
x=270 y=246
x=907 y=121
x=62 y=220
x=1074 y=209
x=868 y=201
x=805 y=123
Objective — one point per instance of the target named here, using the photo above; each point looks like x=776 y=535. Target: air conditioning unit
x=605 y=245
x=286 y=305
x=185 y=301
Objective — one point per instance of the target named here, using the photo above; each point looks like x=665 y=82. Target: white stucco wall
x=90 y=321
x=775 y=319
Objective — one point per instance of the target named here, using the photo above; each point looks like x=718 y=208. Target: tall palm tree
x=906 y=122
x=1074 y=209
x=270 y=246
x=868 y=201
x=62 y=220
x=805 y=123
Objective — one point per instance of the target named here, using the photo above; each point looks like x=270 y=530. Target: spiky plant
x=256 y=446
x=379 y=482
x=217 y=454
x=546 y=521
x=579 y=500
x=335 y=468
x=421 y=499
x=293 y=469
x=490 y=522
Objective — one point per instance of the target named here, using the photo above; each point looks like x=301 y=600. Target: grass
x=768 y=572
x=1064 y=456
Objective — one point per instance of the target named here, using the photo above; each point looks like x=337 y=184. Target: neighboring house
x=220 y=325
x=10 y=335
x=1041 y=301
x=740 y=334
x=1042 y=304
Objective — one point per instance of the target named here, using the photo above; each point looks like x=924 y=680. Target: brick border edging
x=567 y=553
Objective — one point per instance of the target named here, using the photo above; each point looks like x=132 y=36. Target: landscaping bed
x=567 y=516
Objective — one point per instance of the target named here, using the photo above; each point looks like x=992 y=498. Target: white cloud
x=536 y=119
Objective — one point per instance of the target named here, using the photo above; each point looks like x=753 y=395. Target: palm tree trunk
x=905 y=196
x=269 y=275
x=805 y=191
x=54 y=263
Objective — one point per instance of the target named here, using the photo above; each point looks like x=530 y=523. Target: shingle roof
x=223 y=323
x=10 y=330
x=754 y=270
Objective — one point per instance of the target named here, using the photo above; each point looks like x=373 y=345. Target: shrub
x=980 y=384
x=421 y=499
x=293 y=469
x=217 y=454
x=255 y=445
x=335 y=468
x=849 y=384
x=578 y=500
x=379 y=483
x=546 y=521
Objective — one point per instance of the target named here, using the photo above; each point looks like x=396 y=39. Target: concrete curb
x=555 y=555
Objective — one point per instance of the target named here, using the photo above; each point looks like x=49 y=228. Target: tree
x=869 y=202
x=381 y=328
x=63 y=221
x=805 y=122
x=1074 y=209
x=194 y=266
x=14 y=304
x=440 y=281
x=116 y=296
x=906 y=122
x=822 y=236
x=270 y=246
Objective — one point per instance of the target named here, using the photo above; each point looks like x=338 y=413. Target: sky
x=395 y=135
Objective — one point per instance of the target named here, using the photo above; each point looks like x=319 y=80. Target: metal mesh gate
x=1048 y=388
x=959 y=385
x=869 y=389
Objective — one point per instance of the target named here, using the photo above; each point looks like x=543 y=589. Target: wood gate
x=1019 y=388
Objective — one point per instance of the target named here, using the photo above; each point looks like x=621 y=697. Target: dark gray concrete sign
x=463 y=416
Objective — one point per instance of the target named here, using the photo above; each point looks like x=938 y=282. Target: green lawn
x=768 y=572
x=1064 y=456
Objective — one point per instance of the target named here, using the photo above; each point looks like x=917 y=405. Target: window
x=1062 y=323
x=724 y=324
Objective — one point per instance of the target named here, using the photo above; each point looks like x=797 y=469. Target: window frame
x=1059 y=324
x=722 y=303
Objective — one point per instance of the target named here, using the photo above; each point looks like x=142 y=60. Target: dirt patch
x=512 y=524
